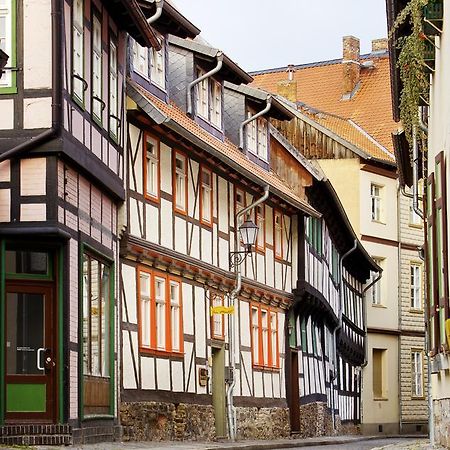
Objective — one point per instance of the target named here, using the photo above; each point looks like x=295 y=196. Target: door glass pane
x=24 y=333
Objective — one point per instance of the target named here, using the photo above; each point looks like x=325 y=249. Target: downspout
x=159 y=10
x=219 y=58
x=56 y=91
x=251 y=119
x=339 y=325
x=231 y=413
x=399 y=306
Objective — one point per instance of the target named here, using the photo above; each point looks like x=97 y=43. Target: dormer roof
x=171 y=20
x=277 y=110
x=129 y=15
x=230 y=70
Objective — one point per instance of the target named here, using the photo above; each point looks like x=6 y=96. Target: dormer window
x=209 y=100
x=257 y=139
x=151 y=63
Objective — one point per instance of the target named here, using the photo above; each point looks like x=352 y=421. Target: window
x=97 y=105
x=376 y=202
x=217 y=320
x=78 y=82
x=113 y=92
x=151 y=167
x=180 y=183
x=215 y=113
x=260 y=222
x=239 y=200
x=278 y=234
x=206 y=196
x=257 y=136
x=314 y=233
x=417 y=373
x=375 y=290
x=140 y=59
x=157 y=66
x=378 y=373
x=202 y=96
x=96 y=317
x=264 y=328
x=416 y=286
x=209 y=100
x=334 y=263
x=160 y=312
x=7 y=44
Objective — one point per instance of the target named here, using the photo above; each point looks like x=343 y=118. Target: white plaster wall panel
x=5 y=205
x=61 y=215
x=152 y=223
x=214 y=200
x=105 y=153
x=96 y=212
x=162 y=374
x=215 y=244
x=223 y=254
x=106 y=219
x=61 y=181
x=71 y=187
x=188 y=317
x=5 y=169
x=166 y=224
x=206 y=245
x=166 y=168
x=73 y=385
x=193 y=183
x=148 y=372
x=84 y=205
x=65 y=114
x=77 y=125
x=37 y=44
x=33 y=212
x=287 y=249
x=276 y=385
x=189 y=374
x=37 y=113
x=267 y=379
x=269 y=224
x=177 y=376
x=180 y=235
x=244 y=323
x=113 y=159
x=71 y=220
x=247 y=361
x=295 y=244
x=261 y=270
x=194 y=240
x=223 y=204
x=278 y=275
x=288 y=284
x=270 y=261
x=96 y=143
x=128 y=375
x=136 y=171
x=87 y=134
x=258 y=383
x=231 y=206
x=199 y=315
x=135 y=229
x=6 y=114
x=130 y=294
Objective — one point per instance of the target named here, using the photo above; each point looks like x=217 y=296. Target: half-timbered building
x=62 y=136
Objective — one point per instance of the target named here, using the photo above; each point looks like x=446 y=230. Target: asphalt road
x=365 y=445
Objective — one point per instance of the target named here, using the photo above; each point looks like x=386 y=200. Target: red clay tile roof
x=226 y=148
x=320 y=86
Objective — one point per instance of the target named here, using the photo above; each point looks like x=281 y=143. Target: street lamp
x=248 y=232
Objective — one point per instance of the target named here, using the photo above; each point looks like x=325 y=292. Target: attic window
x=209 y=100
x=257 y=140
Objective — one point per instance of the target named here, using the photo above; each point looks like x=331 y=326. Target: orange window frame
x=152 y=348
x=202 y=220
x=149 y=196
x=177 y=209
x=221 y=336
x=261 y=247
x=278 y=245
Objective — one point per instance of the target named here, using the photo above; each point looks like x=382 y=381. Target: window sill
x=8 y=90
x=179 y=211
x=265 y=368
x=417 y=226
x=376 y=305
x=416 y=311
x=417 y=397
x=380 y=399
x=152 y=198
x=152 y=352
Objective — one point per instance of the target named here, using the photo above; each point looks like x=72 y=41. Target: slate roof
x=174 y=118
x=319 y=86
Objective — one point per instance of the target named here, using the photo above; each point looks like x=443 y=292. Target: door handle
x=38 y=358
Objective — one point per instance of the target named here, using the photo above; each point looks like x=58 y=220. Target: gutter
x=159 y=10
x=219 y=58
x=53 y=132
x=252 y=118
x=231 y=413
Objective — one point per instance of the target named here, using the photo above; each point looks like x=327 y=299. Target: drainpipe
x=159 y=10
x=219 y=58
x=251 y=119
x=231 y=413
x=56 y=91
x=416 y=208
x=339 y=325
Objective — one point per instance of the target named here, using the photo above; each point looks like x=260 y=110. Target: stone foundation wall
x=442 y=422
x=316 y=420
x=262 y=423
x=155 y=421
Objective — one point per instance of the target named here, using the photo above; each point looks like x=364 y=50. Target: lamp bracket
x=237 y=258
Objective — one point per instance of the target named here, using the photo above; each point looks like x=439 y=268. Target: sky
x=262 y=34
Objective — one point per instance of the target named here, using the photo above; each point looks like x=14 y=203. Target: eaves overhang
x=162 y=119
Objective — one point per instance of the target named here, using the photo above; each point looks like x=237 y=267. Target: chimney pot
x=350 y=64
x=290 y=71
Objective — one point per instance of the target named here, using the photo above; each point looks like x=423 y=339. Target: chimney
x=350 y=65
x=379 y=45
x=288 y=88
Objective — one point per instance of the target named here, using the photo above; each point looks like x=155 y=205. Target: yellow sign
x=222 y=310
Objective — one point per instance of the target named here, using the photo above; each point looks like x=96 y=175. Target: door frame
x=56 y=251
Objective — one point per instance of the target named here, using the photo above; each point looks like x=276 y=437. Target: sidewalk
x=419 y=444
